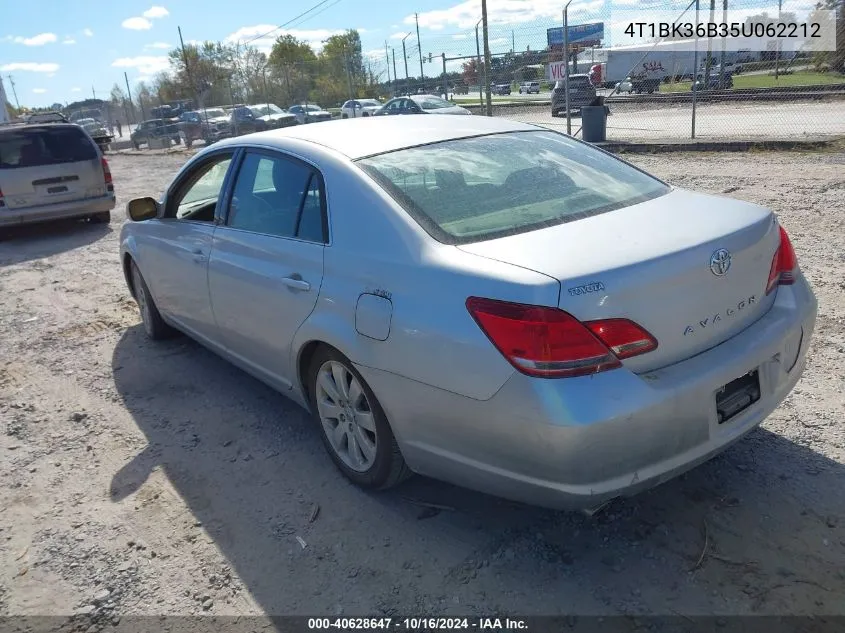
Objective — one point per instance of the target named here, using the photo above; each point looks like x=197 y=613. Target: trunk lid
x=48 y=164
x=689 y=268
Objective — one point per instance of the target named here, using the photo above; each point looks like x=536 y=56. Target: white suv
x=530 y=86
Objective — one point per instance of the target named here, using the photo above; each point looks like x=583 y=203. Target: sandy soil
x=143 y=478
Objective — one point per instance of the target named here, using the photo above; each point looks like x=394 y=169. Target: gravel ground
x=145 y=478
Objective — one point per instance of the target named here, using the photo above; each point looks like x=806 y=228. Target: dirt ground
x=146 y=478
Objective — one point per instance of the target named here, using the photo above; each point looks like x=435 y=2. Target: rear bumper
x=578 y=442
x=50 y=212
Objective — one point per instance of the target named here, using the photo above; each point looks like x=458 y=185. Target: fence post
x=695 y=70
x=566 y=66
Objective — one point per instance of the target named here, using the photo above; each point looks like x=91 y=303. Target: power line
x=314 y=15
x=281 y=26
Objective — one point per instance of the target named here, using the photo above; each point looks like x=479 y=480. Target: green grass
x=768 y=81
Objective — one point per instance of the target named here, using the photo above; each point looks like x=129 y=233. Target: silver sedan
x=481 y=301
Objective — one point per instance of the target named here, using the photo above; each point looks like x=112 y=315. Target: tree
x=471 y=71
x=834 y=60
x=292 y=67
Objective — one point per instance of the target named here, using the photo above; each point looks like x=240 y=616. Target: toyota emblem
x=720 y=262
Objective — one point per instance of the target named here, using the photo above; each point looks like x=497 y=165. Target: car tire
x=380 y=465
x=344 y=116
x=101 y=218
x=136 y=145
x=154 y=326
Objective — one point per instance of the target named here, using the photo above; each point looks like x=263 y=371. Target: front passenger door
x=266 y=264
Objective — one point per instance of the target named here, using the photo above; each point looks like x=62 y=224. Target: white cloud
x=144 y=64
x=68 y=40
x=460 y=36
x=88 y=33
x=76 y=89
x=159 y=45
x=374 y=54
x=31 y=67
x=399 y=35
x=137 y=24
x=465 y=14
x=143 y=22
x=496 y=41
x=36 y=40
x=156 y=12
x=39 y=91
x=262 y=36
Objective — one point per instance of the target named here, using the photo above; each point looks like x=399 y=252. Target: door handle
x=296 y=284
x=198 y=254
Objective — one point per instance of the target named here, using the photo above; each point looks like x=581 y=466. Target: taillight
x=107 y=174
x=784 y=264
x=550 y=343
x=2 y=202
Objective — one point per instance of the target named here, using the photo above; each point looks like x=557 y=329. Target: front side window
x=474 y=189
x=196 y=197
x=277 y=196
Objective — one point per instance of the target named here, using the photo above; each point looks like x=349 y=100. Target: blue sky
x=60 y=55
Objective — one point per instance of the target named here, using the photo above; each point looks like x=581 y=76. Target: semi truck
x=649 y=65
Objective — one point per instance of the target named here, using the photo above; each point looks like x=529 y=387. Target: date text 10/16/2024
x=417 y=624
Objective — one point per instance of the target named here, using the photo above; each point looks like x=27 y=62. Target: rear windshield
x=474 y=189
x=52 y=145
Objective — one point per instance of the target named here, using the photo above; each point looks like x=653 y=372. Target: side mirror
x=141 y=209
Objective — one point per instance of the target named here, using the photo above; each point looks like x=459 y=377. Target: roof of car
x=361 y=137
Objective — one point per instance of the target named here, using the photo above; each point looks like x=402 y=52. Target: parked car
x=625 y=86
x=420 y=104
x=273 y=116
x=501 y=89
x=209 y=125
x=713 y=82
x=470 y=321
x=154 y=129
x=581 y=93
x=97 y=131
x=52 y=171
x=359 y=108
x=529 y=87
x=309 y=113
x=243 y=121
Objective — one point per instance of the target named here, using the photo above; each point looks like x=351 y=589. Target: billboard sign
x=581 y=34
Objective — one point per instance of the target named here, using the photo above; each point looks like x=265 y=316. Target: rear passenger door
x=266 y=263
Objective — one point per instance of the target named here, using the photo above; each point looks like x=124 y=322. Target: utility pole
x=566 y=66
x=419 y=45
x=129 y=95
x=93 y=92
x=348 y=75
x=14 y=92
x=478 y=65
x=387 y=63
x=395 y=76
x=513 y=42
x=405 y=55
x=445 y=77
x=486 y=58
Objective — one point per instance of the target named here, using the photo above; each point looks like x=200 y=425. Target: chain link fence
x=659 y=88
x=656 y=87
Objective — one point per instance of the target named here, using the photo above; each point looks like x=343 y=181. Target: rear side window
x=32 y=147
x=474 y=189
